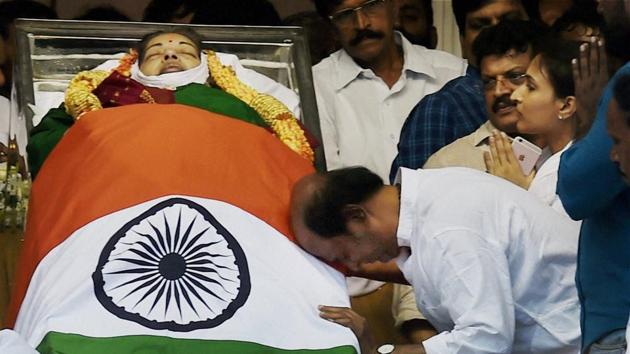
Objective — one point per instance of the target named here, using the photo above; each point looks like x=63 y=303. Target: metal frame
x=27 y=30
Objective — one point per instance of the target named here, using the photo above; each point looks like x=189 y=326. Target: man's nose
x=502 y=88
x=363 y=20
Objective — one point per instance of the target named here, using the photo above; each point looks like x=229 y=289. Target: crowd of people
x=483 y=201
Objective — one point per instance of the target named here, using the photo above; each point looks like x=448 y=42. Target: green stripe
x=63 y=343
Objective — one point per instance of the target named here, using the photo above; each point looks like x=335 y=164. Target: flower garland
x=281 y=120
x=79 y=99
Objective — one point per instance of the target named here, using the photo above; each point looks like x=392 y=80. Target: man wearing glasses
x=458 y=108
x=503 y=54
x=364 y=93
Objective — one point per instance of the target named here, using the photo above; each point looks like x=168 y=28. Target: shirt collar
x=481 y=135
x=408 y=180
x=414 y=60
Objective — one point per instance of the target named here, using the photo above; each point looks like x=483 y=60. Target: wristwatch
x=385 y=349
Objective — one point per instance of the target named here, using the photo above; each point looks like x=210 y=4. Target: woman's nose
x=170 y=54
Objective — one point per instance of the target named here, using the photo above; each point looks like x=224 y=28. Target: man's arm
x=588 y=181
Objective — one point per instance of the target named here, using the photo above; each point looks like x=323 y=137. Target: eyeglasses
x=514 y=79
x=369 y=8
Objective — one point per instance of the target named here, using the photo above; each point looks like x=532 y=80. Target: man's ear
x=568 y=107
x=353 y=212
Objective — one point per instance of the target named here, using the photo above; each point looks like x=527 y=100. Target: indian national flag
x=165 y=229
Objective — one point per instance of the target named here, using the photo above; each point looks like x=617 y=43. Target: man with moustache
x=503 y=53
x=458 y=109
x=366 y=90
x=592 y=189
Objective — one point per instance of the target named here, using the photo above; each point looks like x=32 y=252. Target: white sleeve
x=471 y=279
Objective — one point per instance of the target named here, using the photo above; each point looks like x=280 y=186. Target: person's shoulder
x=441 y=58
x=443 y=63
x=455 y=154
x=326 y=65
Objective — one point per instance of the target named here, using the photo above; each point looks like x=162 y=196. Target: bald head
x=303 y=192
x=346 y=216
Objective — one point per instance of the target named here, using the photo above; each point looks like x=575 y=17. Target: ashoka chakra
x=173 y=267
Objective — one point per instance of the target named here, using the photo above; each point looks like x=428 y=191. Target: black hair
x=326 y=7
x=507 y=35
x=103 y=13
x=556 y=55
x=582 y=12
x=621 y=92
x=323 y=212
x=184 y=31
x=11 y=10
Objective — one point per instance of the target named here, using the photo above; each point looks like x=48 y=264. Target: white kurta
x=492 y=268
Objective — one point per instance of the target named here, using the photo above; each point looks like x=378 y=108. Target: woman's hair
x=556 y=55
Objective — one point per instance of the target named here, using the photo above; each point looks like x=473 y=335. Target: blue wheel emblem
x=173 y=267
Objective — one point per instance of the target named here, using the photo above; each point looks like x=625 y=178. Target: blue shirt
x=591 y=188
x=456 y=110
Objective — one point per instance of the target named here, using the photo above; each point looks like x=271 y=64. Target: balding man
x=492 y=268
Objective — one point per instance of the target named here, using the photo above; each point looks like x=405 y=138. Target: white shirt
x=361 y=117
x=544 y=183
x=492 y=269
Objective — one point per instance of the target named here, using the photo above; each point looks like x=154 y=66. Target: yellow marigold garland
x=281 y=120
x=79 y=97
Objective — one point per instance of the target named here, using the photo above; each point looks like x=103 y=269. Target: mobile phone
x=526 y=153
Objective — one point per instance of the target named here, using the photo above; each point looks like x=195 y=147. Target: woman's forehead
x=166 y=38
